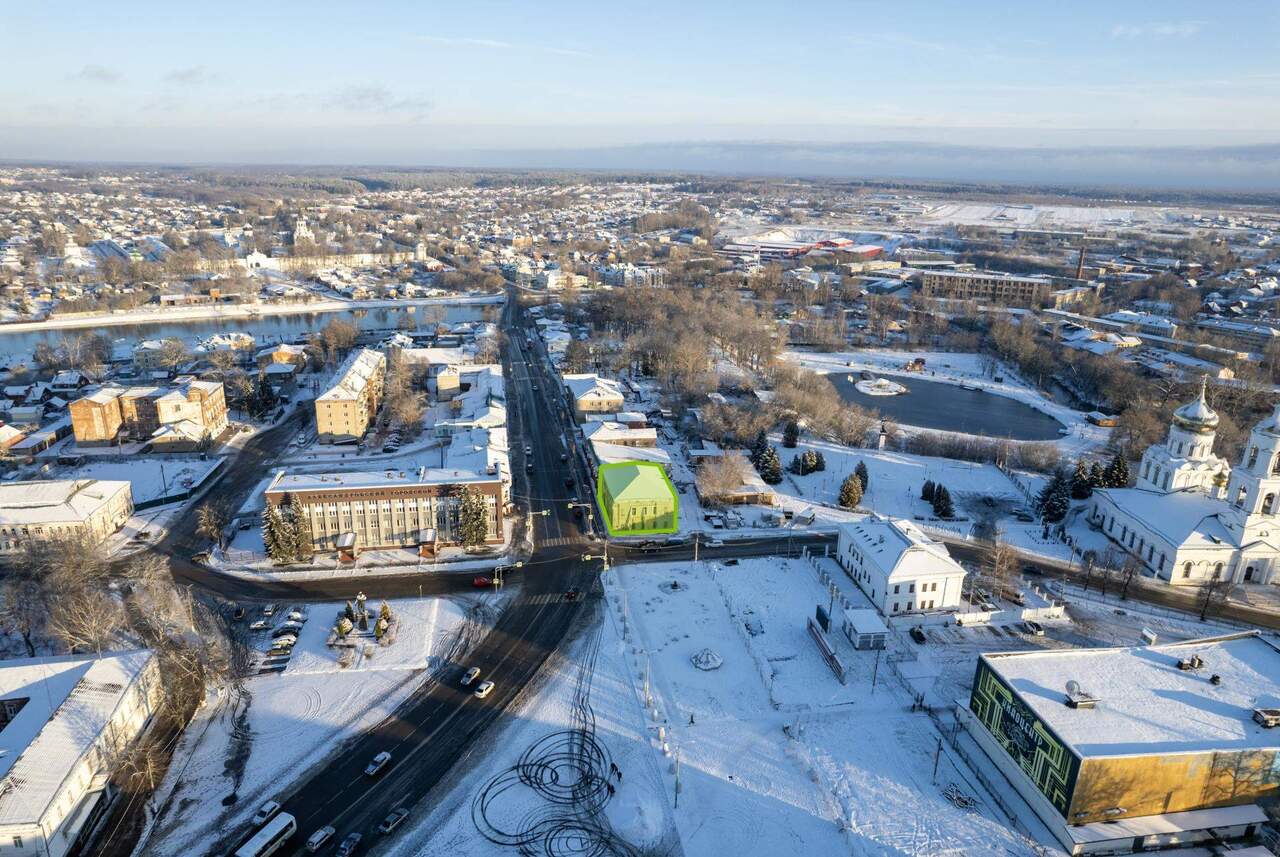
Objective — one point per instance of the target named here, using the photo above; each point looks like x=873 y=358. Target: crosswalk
x=544 y=598
x=559 y=542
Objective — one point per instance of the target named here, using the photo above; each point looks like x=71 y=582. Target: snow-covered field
x=267 y=731
x=775 y=755
x=1080 y=216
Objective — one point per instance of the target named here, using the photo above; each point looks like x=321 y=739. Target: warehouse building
x=999 y=289
x=1139 y=748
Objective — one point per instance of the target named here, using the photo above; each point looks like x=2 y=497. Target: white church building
x=1191 y=517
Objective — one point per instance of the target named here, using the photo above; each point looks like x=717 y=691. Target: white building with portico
x=1191 y=518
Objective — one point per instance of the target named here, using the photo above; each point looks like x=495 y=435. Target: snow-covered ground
x=775 y=755
x=267 y=731
x=150 y=477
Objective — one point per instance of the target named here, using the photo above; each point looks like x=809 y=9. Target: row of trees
x=937 y=495
x=1054 y=500
x=286 y=532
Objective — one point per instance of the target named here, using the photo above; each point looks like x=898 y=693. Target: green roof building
x=637 y=497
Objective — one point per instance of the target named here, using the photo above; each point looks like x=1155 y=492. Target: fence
x=196 y=488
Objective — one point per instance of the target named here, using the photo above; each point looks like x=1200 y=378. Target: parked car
x=238 y=614
x=376 y=765
x=917 y=634
x=1035 y=629
x=1032 y=569
x=480 y=581
x=349 y=845
x=265 y=813
x=297 y=616
x=269 y=610
x=483 y=689
x=470 y=676
x=317 y=840
x=284 y=628
x=392 y=821
x=244 y=525
x=258 y=625
x=202 y=556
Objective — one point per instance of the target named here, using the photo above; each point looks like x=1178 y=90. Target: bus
x=268 y=840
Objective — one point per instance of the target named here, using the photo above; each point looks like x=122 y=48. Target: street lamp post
x=499 y=569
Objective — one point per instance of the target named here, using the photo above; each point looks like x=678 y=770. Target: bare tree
x=720 y=476
x=22 y=610
x=212 y=522
x=85 y=620
x=1131 y=568
x=1000 y=567
x=1214 y=592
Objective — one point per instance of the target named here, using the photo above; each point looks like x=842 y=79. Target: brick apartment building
x=1001 y=289
x=189 y=409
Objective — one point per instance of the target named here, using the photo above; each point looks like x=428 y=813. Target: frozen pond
x=948 y=407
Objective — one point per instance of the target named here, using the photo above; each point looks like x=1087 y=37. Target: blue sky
x=402 y=82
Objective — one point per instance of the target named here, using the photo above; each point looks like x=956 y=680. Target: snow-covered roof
x=421 y=477
x=1146 y=705
x=69 y=701
x=899 y=548
x=1182 y=518
x=353 y=375
x=54 y=501
x=615 y=432
x=592 y=386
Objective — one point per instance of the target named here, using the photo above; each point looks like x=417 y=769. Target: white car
x=260 y=625
x=483 y=689
x=470 y=676
x=317 y=840
x=379 y=762
x=265 y=813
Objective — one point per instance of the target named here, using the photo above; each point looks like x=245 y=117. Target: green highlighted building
x=636 y=498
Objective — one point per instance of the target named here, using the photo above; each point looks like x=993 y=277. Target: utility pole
x=874 y=671
x=937 y=755
x=677 y=806
x=695 y=546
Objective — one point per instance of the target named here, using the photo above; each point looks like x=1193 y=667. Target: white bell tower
x=1253 y=491
x=1185 y=461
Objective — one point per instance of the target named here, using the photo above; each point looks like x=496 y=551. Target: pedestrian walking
x=609 y=786
x=619 y=774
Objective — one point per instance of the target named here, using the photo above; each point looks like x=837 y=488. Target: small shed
x=864 y=628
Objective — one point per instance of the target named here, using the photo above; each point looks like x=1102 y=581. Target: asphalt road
x=431 y=730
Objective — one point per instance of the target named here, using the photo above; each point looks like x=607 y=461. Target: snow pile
x=707 y=660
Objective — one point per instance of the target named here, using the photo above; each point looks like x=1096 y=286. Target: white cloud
x=375 y=98
x=495 y=44
x=190 y=76
x=1157 y=29
x=98 y=74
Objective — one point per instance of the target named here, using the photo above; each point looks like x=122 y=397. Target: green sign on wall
x=1027 y=740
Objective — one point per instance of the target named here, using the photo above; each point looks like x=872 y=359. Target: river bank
x=231 y=311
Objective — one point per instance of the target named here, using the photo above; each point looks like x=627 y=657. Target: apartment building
x=64 y=724
x=898 y=567
x=188 y=411
x=1001 y=289
x=353 y=512
x=592 y=394
x=345 y=411
x=91 y=509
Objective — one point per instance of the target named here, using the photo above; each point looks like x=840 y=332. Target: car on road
x=265 y=813
x=715 y=543
x=348 y=845
x=259 y=625
x=917 y=634
x=677 y=540
x=392 y=821
x=568 y=482
x=483 y=689
x=317 y=840
x=376 y=764
x=564 y=456
x=470 y=676
x=528 y=466
x=528 y=450
x=480 y=581
x=572 y=594
x=1035 y=629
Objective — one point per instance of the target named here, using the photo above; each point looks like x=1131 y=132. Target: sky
x=424 y=82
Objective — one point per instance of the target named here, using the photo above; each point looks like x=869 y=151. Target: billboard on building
x=1045 y=759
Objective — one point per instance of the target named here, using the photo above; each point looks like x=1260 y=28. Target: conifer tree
x=300 y=529
x=942 y=505
x=819 y=461
x=770 y=467
x=791 y=434
x=1117 y=472
x=758 y=447
x=1080 y=487
x=926 y=491
x=851 y=491
x=863 y=476
x=473 y=518
x=1097 y=476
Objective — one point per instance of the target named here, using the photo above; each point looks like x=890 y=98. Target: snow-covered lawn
x=265 y=733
